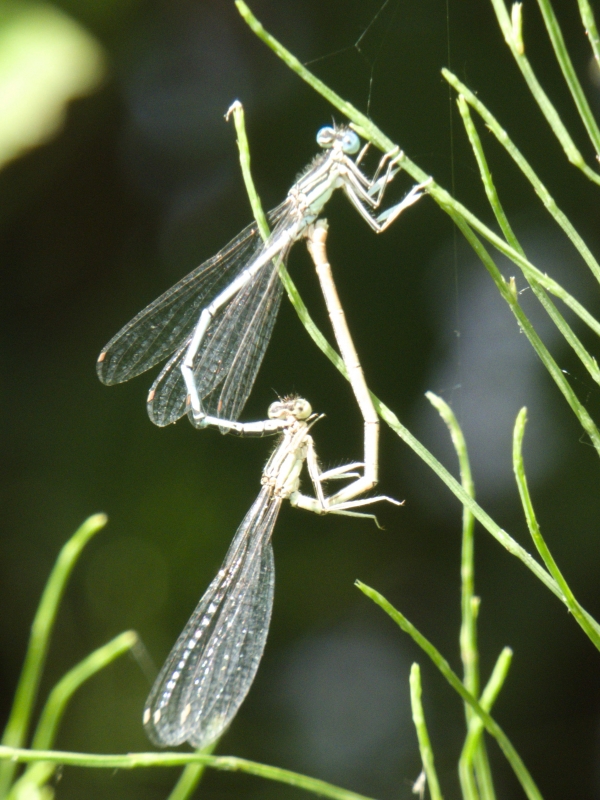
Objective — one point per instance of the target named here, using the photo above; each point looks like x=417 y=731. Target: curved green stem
x=589 y=23
x=422 y=733
x=569 y=74
x=540 y=189
x=587 y=623
x=190 y=777
x=41 y=632
x=540 y=96
x=18 y=755
x=440 y=662
x=471 y=747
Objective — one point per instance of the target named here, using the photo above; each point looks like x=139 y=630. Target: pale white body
x=213 y=663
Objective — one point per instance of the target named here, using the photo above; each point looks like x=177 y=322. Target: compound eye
x=302 y=409
x=350 y=142
x=326 y=137
x=275 y=410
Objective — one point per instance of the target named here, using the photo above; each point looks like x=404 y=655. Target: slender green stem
x=483 y=772
x=485 y=174
x=190 y=777
x=541 y=98
x=425 y=748
x=540 y=348
x=363 y=124
x=471 y=747
x=531 y=273
x=16 y=729
x=38 y=774
x=468 y=783
x=586 y=359
x=509 y=296
x=527 y=170
x=60 y=696
x=142 y=760
x=188 y=781
x=488 y=523
x=239 y=120
x=469 y=603
x=447 y=203
x=468 y=629
x=589 y=23
x=440 y=662
x=569 y=74
x=580 y=615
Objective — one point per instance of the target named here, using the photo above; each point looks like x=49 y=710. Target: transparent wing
x=167 y=398
x=165 y=324
x=230 y=356
x=213 y=663
x=244 y=348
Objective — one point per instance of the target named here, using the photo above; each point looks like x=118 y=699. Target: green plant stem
x=40 y=773
x=190 y=777
x=586 y=359
x=368 y=130
x=425 y=748
x=143 y=760
x=585 y=420
x=589 y=23
x=569 y=74
x=188 y=781
x=64 y=690
x=237 y=110
x=440 y=662
x=580 y=615
x=540 y=189
x=468 y=630
x=471 y=748
x=39 y=639
x=469 y=603
x=485 y=173
x=538 y=93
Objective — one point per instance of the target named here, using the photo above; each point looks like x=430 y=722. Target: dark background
x=142 y=185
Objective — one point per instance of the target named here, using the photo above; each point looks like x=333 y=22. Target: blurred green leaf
x=46 y=60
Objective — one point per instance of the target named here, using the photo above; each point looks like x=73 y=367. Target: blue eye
x=350 y=142
x=326 y=137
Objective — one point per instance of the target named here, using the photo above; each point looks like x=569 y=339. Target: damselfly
x=215 y=323
x=213 y=663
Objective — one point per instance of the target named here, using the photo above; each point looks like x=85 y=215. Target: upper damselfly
x=215 y=323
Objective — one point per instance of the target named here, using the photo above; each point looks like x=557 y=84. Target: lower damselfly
x=213 y=662
x=214 y=325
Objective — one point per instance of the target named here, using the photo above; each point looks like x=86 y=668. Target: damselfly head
x=349 y=141
x=295 y=407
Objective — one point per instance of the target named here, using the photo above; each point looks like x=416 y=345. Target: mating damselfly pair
x=215 y=325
